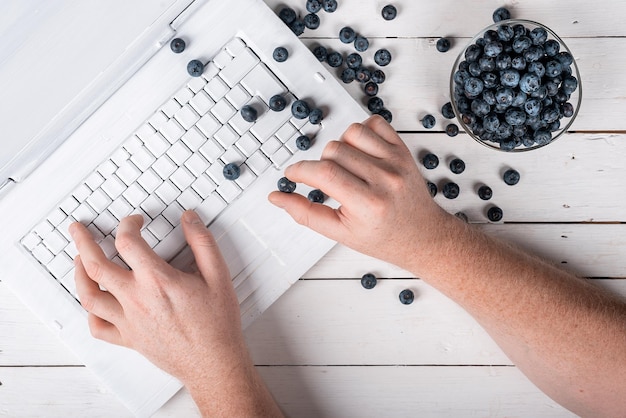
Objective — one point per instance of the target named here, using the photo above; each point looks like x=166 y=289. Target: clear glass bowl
x=472 y=125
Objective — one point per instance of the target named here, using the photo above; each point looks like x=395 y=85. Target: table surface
x=330 y=348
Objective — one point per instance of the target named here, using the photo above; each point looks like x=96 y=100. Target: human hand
x=386 y=209
x=187 y=324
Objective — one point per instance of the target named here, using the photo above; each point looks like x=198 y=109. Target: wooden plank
x=302 y=392
x=452 y=18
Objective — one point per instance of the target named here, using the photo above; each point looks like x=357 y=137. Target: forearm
x=566 y=335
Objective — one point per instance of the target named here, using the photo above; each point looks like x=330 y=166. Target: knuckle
x=123 y=241
x=354 y=130
x=94 y=270
x=329 y=171
x=331 y=149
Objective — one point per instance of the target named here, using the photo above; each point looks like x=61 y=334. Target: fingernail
x=192 y=217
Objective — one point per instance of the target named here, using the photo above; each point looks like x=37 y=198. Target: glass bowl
x=489 y=111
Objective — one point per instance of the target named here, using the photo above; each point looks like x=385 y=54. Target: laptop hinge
x=6 y=186
x=186 y=13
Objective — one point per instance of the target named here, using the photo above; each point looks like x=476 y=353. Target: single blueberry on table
x=277 y=103
x=382 y=57
x=361 y=44
x=297 y=27
x=485 y=192
x=432 y=188
x=370 y=88
x=428 y=121
x=430 y=161
x=311 y=21
x=316 y=196
x=303 y=142
x=406 y=297
x=300 y=109
x=368 y=281
x=285 y=185
x=334 y=59
x=378 y=76
x=452 y=130
x=389 y=12
x=443 y=44
x=451 y=190
x=494 y=214
x=231 y=171
x=313 y=6
x=195 y=68
x=354 y=60
x=363 y=75
x=511 y=177
x=249 y=113
x=347 y=35
x=177 y=45
x=280 y=54
x=287 y=15
x=348 y=75
x=315 y=116
x=329 y=5
x=457 y=166
x=446 y=111
x=321 y=53
x=500 y=14
x=386 y=114
x=375 y=104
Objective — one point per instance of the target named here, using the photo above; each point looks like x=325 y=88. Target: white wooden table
x=329 y=347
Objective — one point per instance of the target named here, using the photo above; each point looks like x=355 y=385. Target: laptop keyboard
x=175 y=160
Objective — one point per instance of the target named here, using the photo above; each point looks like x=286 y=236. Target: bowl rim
x=461 y=56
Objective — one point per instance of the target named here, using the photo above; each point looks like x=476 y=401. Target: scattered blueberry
x=329 y=5
x=457 y=166
x=277 y=103
x=280 y=54
x=316 y=116
x=311 y=21
x=348 y=75
x=313 y=6
x=428 y=121
x=452 y=130
x=297 y=27
x=285 y=185
x=485 y=192
x=432 y=188
x=386 y=114
x=443 y=45
x=368 y=281
x=382 y=57
x=287 y=15
x=231 y=171
x=447 y=111
x=249 y=113
x=195 y=68
x=494 y=214
x=321 y=53
x=316 y=196
x=300 y=109
x=451 y=190
x=177 y=45
x=363 y=75
x=347 y=35
x=375 y=104
x=370 y=88
x=406 y=297
x=361 y=44
x=500 y=14
x=511 y=177
x=378 y=76
x=303 y=142
x=334 y=59
x=354 y=60
x=389 y=12
x=430 y=161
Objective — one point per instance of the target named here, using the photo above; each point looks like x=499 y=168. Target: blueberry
x=428 y=121
x=348 y=75
x=509 y=78
x=457 y=166
x=534 y=53
x=452 y=130
x=386 y=114
x=567 y=109
x=334 y=59
x=511 y=177
x=493 y=49
x=518 y=63
x=505 y=97
x=249 y=113
x=361 y=44
x=300 y=109
x=311 y=21
x=370 y=88
x=553 y=68
x=473 y=87
x=316 y=116
x=542 y=137
x=494 y=214
x=389 y=12
x=551 y=47
x=529 y=83
x=303 y=142
x=375 y=104
x=177 y=45
x=443 y=45
x=195 y=68
x=486 y=64
x=321 y=53
x=297 y=27
x=505 y=33
x=329 y=5
x=231 y=171
x=521 y=44
x=316 y=196
x=378 y=76
x=287 y=15
x=500 y=14
x=462 y=216
x=277 y=103
x=491 y=123
x=565 y=58
x=451 y=190
x=570 y=83
x=446 y=111
x=432 y=188
x=363 y=75
x=485 y=192
x=368 y=281
x=490 y=80
x=382 y=57
x=503 y=61
x=430 y=161
x=406 y=297
x=539 y=36
x=286 y=186
x=313 y=6
x=480 y=107
x=515 y=117
x=280 y=54
x=347 y=35
x=532 y=107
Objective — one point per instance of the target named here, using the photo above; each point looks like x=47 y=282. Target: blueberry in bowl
x=516 y=86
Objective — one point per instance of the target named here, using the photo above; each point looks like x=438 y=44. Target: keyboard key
x=149 y=181
x=120 y=208
x=239 y=124
x=158 y=120
x=56 y=217
x=189 y=199
x=229 y=190
x=55 y=242
x=183 y=95
x=167 y=192
x=149 y=238
x=108 y=246
x=210 y=208
x=145 y=131
x=211 y=150
x=135 y=194
x=119 y=156
x=260 y=81
x=182 y=178
x=285 y=132
x=106 y=222
x=271 y=146
x=160 y=227
x=223 y=111
x=107 y=168
x=172 y=131
x=99 y=200
x=164 y=167
x=196 y=84
x=157 y=144
x=94 y=180
x=232 y=156
x=68 y=205
x=226 y=136
x=81 y=192
x=128 y=172
x=269 y=123
x=171 y=107
x=64 y=227
x=210 y=71
x=171 y=244
x=201 y=102
x=235 y=46
x=208 y=125
x=143 y=159
x=204 y=186
x=238 y=97
x=179 y=153
x=280 y=157
x=216 y=172
x=173 y=213
x=222 y=59
x=216 y=88
x=84 y=214
x=113 y=187
x=153 y=206
x=258 y=162
x=186 y=116
x=194 y=139
x=197 y=164
x=42 y=254
x=248 y=144
x=246 y=177
x=235 y=70
x=133 y=144
x=30 y=241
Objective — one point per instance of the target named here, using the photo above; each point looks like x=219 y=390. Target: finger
x=328 y=176
x=104 y=330
x=133 y=248
x=97 y=266
x=204 y=247
x=320 y=218
x=354 y=160
x=383 y=129
x=92 y=298
x=361 y=137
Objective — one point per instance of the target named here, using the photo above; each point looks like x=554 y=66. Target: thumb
x=204 y=247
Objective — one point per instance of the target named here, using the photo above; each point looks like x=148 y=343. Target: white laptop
x=101 y=119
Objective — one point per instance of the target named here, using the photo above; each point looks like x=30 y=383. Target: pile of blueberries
x=514 y=85
x=351 y=66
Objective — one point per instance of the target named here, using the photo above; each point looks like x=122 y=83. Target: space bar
x=175 y=241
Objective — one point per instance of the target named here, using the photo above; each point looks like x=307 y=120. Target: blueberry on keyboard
x=303 y=142
x=280 y=54
x=300 y=109
x=249 y=113
x=277 y=103
x=177 y=45
x=285 y=185
x=316 y=116
x=231 y=171
x=195 y=68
